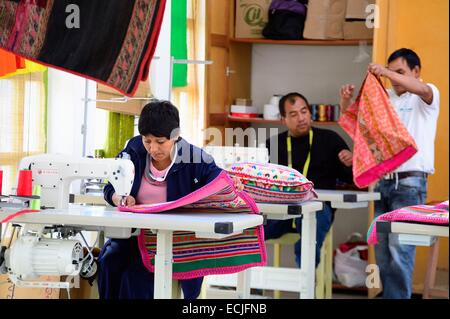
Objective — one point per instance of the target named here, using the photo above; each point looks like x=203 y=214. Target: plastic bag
x=350 y=262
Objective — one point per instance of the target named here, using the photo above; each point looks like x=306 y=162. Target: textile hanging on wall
x=424 y=214
x=196 y=257
x=108 y=41
x=381 y=141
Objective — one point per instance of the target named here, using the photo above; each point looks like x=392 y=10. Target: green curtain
x=120 y=129
x=178 y=42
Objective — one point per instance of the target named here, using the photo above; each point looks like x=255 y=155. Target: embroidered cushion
x=273 y=183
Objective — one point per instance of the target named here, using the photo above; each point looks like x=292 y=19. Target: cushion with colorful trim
x=273 y=183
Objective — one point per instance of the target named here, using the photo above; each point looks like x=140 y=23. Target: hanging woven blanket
x=195 y=257
x=108 y=41
x=381 y=141
x=426 y=214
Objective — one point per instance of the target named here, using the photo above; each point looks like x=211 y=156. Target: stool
x=286 y=239
x=429 y=290
x=324 y=271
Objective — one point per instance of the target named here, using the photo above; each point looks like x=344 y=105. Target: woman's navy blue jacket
x=192 y=169
x=121 y=272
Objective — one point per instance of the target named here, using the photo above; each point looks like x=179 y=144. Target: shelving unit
x=263 y=121
x=301 y=42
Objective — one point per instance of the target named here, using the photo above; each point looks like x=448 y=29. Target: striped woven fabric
x=111 y=42
x=427 y=214
x=196 y=257
x=273 y=183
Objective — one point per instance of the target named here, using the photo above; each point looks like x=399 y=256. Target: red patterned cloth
x=381 y=141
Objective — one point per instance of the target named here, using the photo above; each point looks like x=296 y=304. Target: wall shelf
x=263 y=121
x=301 y=42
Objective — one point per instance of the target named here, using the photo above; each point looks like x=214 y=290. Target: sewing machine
x=55 y=173
x=225 y=156
x=54 y=250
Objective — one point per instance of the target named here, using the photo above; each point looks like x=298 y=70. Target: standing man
x=417 y=105
x=320 y=155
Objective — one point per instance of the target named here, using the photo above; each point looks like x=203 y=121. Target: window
x=190 y=99
x=22 y=123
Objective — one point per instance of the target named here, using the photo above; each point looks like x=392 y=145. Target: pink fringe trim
x=375 y=173
x=399 y=216
x=210 y=271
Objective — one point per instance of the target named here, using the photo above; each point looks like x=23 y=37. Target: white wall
x=160 y=67
x=315 y=71
x=66 y=112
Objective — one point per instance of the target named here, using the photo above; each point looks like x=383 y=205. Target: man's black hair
x=291 y=97
x=160 y=119
x=411 y=57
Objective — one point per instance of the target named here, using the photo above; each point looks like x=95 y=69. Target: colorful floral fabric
x=273 y=183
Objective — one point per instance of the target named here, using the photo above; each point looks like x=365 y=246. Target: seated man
x=320 y=155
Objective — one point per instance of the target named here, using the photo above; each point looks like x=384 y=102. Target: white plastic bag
x=349 y=268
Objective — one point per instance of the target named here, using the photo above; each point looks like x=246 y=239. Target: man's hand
x=377 y=70
x=237 y=183
x=346 y=94
x=346 y=157
x=129 y=200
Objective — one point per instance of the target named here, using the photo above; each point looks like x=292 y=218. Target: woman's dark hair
x=160 y=119
x=411 y=57
x=291 y=97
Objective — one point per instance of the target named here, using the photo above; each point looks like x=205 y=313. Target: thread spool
x=336 y=113
x=329 y=112
x=322 y=113
x=313 y=112
x=1 y=181
x=24 y=185
x=36 y=203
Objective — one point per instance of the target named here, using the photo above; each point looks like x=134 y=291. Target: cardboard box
x=251 y=17
x=356 y=9
x=11 y=291
x=325 y=19
x=357 y=30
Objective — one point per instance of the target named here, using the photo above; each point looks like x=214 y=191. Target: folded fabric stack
x=273 y=183
x=427 y=214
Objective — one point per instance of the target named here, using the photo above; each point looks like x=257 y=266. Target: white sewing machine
x=55 y=173
x=34 y=254
x=225 y=156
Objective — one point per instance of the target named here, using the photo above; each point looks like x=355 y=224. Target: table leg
x=308 y=255
x=243 y=284
x=163 y=265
